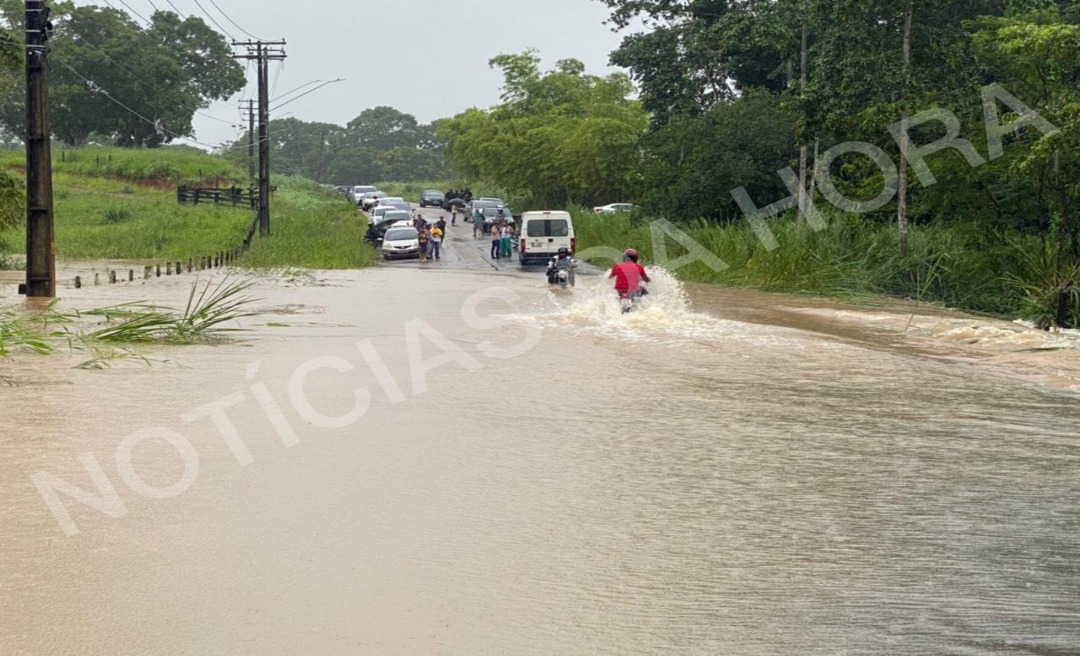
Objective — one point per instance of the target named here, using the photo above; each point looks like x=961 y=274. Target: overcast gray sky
x=427 y=58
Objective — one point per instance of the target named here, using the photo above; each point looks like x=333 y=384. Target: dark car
x=483 y=205
x=432 y=197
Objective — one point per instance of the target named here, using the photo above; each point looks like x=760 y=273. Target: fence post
x=146 y=272
x=112 y=277
x=78 y=282
x=158 y=270
x=131 y=275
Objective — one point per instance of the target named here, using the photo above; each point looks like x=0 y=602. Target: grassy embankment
x=960 y=266
x=114 y=203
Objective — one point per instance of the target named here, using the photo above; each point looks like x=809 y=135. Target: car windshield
x=397 y=215
x=480 y=204
x=432 y=192
x=400 y=234
x=362 y=190
x=548 y=228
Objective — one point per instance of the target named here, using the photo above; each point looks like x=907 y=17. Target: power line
x=274 y=109
x=277 y=77
x=158 y=126
x=232 y=21
x=223 y=30
x=143 y=83
x=178 y=12
x=137 y=14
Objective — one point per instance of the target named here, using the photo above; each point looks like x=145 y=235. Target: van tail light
x=521 y=249
x=573 y=244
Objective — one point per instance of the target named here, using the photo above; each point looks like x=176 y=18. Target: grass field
x=112 y=203
x=957 y=265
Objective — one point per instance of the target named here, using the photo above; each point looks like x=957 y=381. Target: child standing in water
x=423 y=237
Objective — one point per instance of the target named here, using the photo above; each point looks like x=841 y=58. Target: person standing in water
x=436 y=241
x=505 y=235
x=496 y=243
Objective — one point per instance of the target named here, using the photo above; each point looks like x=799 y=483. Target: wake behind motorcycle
x=628 y=300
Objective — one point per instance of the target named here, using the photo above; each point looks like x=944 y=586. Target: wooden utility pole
x=40 y=246
x=250 y=111
x=263 y=52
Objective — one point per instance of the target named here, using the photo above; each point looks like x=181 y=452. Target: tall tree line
x=381 y=143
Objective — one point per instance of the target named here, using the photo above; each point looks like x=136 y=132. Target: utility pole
x=250 y=111
x=263 y=52
x=40 y=245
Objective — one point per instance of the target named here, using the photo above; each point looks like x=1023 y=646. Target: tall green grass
x=171 y=165
x=954 y=265
x=312 y=228
x=106 y=209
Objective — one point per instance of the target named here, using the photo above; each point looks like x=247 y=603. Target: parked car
x=396 y=204
x=492 y=214
x=378 y=212
x=432 y=197
x=370 y=198
x=543 y=234
x=397 y=215
x=480 y=204
x=358 y=192
x=400 y=242
x=613 y=208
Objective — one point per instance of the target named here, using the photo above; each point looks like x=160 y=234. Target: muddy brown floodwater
x=411 y=461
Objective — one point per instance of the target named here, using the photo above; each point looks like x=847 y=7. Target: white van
x=543 y=234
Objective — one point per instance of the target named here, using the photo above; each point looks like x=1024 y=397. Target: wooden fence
x=235 y=196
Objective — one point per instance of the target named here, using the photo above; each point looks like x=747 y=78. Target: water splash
x=664 y=316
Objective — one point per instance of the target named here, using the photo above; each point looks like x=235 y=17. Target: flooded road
x=417 y=460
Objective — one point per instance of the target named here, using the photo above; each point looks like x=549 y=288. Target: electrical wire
x=273 y=109
x=223 y=30
x=232 y=21
x=178 y=12
x=277 y=77
x=147 y=85
x=158 y=127
x=137 y=14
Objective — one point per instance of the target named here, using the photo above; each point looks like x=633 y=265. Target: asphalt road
x=462 y=251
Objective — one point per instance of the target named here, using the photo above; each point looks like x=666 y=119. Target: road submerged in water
x=452 y=458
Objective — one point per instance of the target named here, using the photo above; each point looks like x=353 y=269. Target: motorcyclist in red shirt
x=629 y=275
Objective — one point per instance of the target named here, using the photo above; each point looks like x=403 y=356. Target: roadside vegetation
x=959 y=266
x=107 y=334
x=313 y=228
x=115 y=203
x=785 y=81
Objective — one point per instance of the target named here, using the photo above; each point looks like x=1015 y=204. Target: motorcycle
x=628 y=300
x=562 y=277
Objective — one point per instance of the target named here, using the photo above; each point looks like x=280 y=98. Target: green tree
x=557 y=136
x=137 y=86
